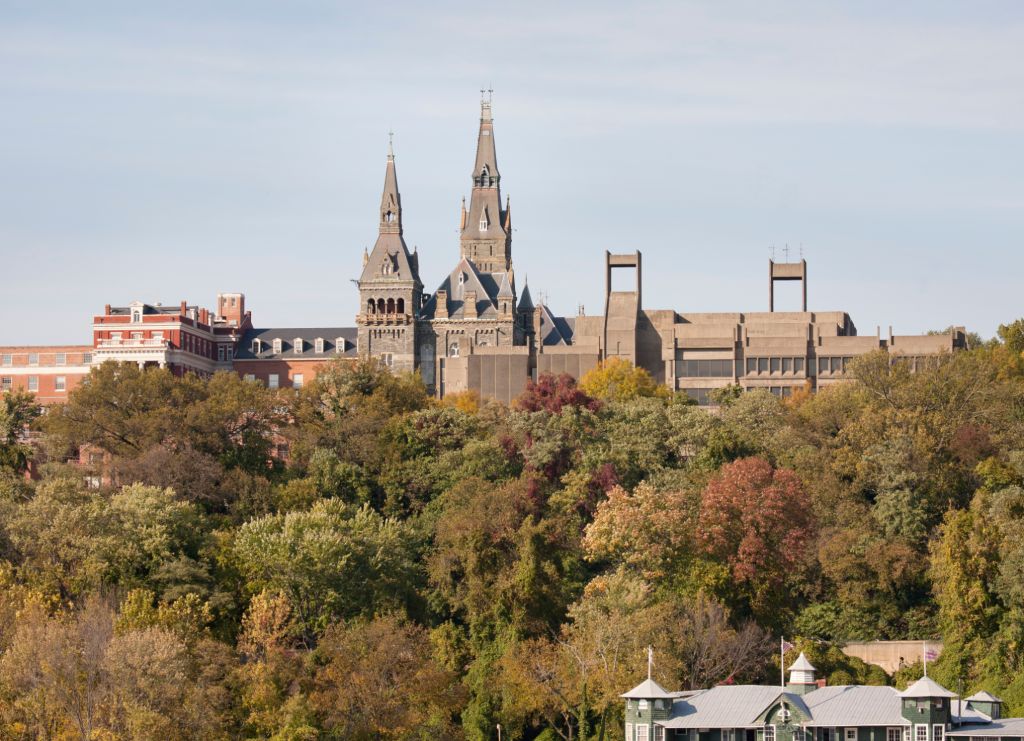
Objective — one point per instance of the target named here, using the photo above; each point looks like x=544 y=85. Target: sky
x=170 y=151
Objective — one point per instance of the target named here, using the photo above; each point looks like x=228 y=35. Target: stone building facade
x=478 y=332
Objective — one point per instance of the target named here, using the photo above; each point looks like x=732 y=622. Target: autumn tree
x=552 y=393
x=756 y=520
x=617 y=379
x=379 y=679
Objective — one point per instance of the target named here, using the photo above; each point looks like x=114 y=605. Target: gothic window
x=453 y=351
x=462 y=278
x=380 y=306
x=401 y=306
x=391 y=306
x=370 y=307
x=387 y=266
x=388 y=217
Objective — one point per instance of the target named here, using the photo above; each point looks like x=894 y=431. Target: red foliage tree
x=554 y=393
x=756 y=520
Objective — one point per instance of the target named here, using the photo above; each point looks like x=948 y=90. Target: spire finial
x=486 y=95
x=391 y=144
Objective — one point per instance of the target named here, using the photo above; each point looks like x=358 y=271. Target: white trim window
x=851 y=734
x=318 y=345
x=257 y=346
x=938 y=732
x=339 y=345
x=769 y=733
x=893 y=734
x=277 y=346
x=297 y=381
x=7 y=360
x=33 y=383
x=273 y=381
x=249 y=377
x=659 y=733
x=629 y=732
x=906 y=733
x=60 y=358
x=298 y=346
x=33 y=358
x=921 y=733
x=60 y=383
x=6 y=383
x=643 y=732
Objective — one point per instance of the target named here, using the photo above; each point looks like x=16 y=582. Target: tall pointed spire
x=390 y=257
x=485 y=238
x=390 y=200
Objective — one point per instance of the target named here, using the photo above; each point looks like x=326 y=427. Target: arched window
x=391 y=306
x=401 y=306
x=371 y=308
x=453 y=351
x=380 y=306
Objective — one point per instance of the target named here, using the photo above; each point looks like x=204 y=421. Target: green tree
x=332 y=561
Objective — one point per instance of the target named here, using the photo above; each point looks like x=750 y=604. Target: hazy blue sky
x=168 y=151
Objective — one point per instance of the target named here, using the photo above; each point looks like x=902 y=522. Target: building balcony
x=131 y=343
x=383 y=319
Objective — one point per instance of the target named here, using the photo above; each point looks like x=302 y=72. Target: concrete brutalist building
x=476 y=331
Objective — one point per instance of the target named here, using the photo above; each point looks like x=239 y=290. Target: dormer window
x=483 y=221
x=277 y=346
x=136 y=315
x=318 y=344
x=462 y=278
x=257 y=347
x=298 y=345
x=339 y=345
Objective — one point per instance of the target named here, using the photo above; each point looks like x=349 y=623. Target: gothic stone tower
x=390 y=291
x=486 y=229
x=475 y=311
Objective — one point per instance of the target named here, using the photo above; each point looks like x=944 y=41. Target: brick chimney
x=106 y=310
x=184 y=307
x=469 y=305
x=442 y=304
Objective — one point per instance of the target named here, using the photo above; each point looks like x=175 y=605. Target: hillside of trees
x=357 y=560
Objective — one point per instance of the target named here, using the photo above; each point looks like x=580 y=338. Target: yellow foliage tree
x=617 y=379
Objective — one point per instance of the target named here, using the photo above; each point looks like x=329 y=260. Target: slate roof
x=727 y=706
x=555 y=330
x=926 y=687
x=464 y=278
x=802 y=664
x=855 y=705
x=648 y=690
x=1003 y=728
x=287 y=335
x=982 y=696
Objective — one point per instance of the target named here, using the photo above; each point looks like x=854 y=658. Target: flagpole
x=782 y=663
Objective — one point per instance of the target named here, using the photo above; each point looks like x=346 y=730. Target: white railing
x=133 y=342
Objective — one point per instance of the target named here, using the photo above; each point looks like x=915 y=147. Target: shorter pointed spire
x=462 y=220
x=366 y=256
x=508 y=213
x=391 y=145
x=390 y=200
